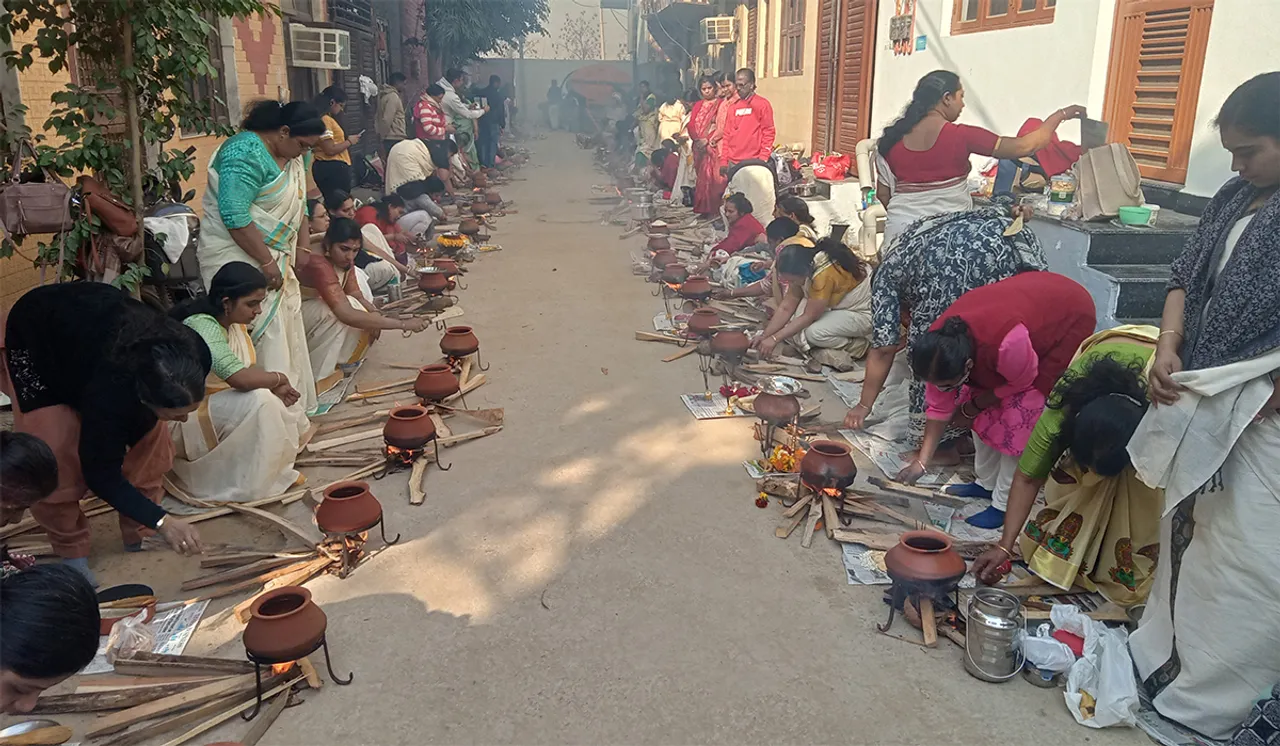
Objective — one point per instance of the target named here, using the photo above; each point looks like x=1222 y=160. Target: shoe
x=992 y=517
x=133 y=547
x=972 y=489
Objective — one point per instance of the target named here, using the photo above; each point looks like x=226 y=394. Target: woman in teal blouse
x=241 y=443
x=1100 y=524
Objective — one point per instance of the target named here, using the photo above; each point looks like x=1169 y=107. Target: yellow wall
x=790 y=95
x=37 y=85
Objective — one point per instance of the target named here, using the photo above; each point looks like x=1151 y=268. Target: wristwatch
x=160 y=523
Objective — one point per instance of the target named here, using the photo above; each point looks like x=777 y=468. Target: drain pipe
x=874 y=212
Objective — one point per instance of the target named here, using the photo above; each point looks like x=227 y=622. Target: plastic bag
x=1048 y=654
x=831 y=166
x=130 y=635
x=1101 y=690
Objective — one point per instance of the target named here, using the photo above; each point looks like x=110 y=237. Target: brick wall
x=260 y=73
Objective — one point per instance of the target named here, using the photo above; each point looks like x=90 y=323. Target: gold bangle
x=1006 y=551
x=1170 y=331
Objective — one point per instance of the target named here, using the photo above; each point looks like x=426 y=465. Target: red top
x=742 y=233
x=670 y=167
x=429 y=119
x=1057 y=312
x=946 y=160
x=1058 y=155
x=749 y=130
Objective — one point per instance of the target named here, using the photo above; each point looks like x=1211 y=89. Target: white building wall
x=1012 y=74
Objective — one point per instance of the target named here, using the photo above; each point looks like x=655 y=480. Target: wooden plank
x=656 y=337
x=228 y=665
x=147 y=731
x=919 y=493
x=237 y=573
x=309 y=670
x=798 y=506
x=298 y=577
x=417 y=482
x=442 y=430
x=882 y=541
x=683 y=353
x=307 y=537
x=330 y=427
x=264 y=578
x=815 y=512
x=385 y=386
x=472 y=384
x=343 y=440
x=242 y=558
x=217 y=720
x=110 y=683
x=829 y=518
x=118 y=721
x=928 y=622
x=788 y=524
x=116 y=699
x=266 y=718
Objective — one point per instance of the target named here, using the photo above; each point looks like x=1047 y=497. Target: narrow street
x=597 y=572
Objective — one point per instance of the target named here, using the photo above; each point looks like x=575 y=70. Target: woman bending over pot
x=989 y=362
x=1100 y=527
x=242 y=442
x=340 y=319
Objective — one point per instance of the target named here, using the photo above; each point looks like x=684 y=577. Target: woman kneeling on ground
x=242 y=442
x=990 y=361
x=779 y=234
x=827 y=307
x=97 y=376
x=744 y=231
x=340 y=319
x=1100 y=526
x=50 y=618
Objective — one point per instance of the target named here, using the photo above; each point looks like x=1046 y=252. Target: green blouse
x=225 y=362
x=244 y=167
x=1043 y=449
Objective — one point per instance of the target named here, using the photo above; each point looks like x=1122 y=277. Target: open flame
x=281 y=668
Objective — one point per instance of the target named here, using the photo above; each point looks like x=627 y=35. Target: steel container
x=993 y=635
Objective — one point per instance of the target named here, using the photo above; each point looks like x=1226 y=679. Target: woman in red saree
x=708 y=192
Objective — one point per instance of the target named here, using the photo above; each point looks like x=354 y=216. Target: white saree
x=331 y=342
x=278 y=212
x=239 y=445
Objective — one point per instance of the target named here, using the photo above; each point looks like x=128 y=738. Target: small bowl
x=1130 y=215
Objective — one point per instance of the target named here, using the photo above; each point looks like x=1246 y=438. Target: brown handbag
x=34 y=208
x=116 y=216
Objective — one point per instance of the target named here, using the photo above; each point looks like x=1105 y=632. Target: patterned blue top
x=244 y=166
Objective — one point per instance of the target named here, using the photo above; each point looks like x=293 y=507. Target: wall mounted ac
x=719 y=30
x=323 y=48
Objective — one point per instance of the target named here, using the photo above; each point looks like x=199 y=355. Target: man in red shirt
x=749 y=129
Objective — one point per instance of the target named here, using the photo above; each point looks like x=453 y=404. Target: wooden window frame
x=791 y=38
x=1015 y=18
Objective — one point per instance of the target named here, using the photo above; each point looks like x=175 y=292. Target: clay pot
x=459 y=341
x=675 y=273
x=828 y=464
x=924 y=556
x=661 y=230
x=696 y=286
x=468 y=226
x=493 y=197
x=777 y=409
x=433 y=281
x=480 y=179
x=663 y=257
x=435 y=383
x=448 y=266
x=284 y=625
x=702 y=321
x=657 y=243
x=479 y=208
x=409 y=427
x=348 y=507
x=729 y=344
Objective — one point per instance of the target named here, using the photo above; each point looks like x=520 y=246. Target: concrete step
x=1136 y=247
x=1140 y=289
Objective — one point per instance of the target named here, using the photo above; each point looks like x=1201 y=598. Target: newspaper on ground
x=887 y=456
x=863 y=566
x=336 y=394
x=174 y=623
x=663 y=323
x=713 y=409
x=756 y=468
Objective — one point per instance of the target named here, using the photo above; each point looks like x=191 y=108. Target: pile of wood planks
x=151 y=695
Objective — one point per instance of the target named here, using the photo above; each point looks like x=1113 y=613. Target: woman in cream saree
x=257 y=180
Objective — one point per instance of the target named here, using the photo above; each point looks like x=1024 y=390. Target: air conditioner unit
x=324 y=48
x=719 y=30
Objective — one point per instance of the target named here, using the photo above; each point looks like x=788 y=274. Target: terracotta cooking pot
x=348 y=507
x=468 y=226
x=924 y=556
x=284 y=625
x=435 y=383
x=730 y=343
x=493 y=197
x=697 y=286
x=659 y=242
x=433 y=281
x=479 y=208
x=459 y=341
x=703 y=321
x=409 y=427
x=828 y=464
x=777 y=409
x=663 y=257
x=448 y=266
x=480 y=179
x=675 y=273
x=661 y=230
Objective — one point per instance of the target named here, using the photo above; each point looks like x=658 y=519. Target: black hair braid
x=843 y=256
x=928 y=92
x=1101 y=409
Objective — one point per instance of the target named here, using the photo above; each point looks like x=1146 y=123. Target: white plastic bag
x=130 y=635
x=1101 y=690
x=1048 y=654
